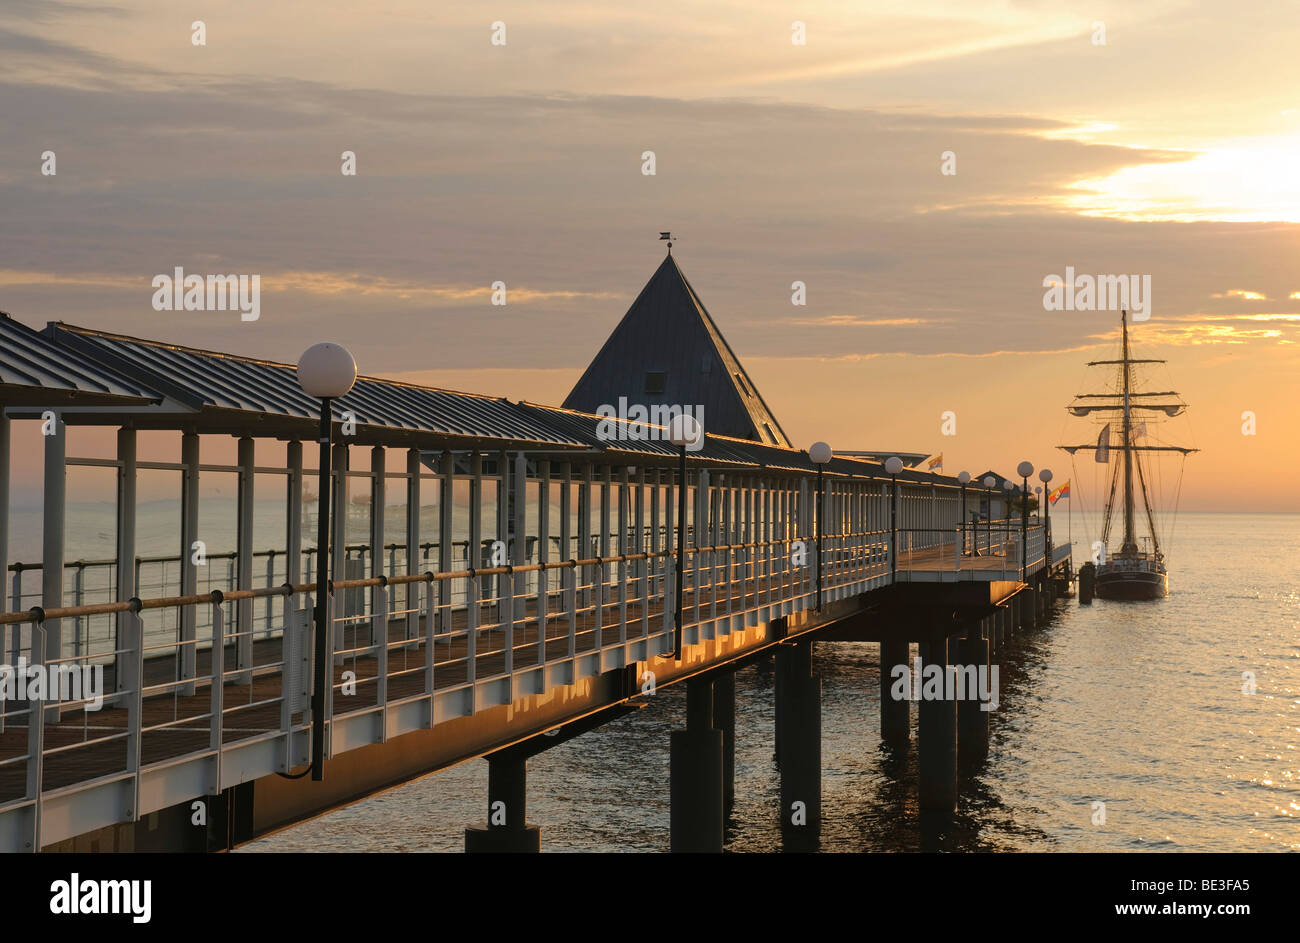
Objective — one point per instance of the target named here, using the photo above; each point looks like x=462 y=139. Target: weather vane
x=669 y=236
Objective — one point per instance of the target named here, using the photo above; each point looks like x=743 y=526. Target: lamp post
x=683 y=431
x=1045 y=476
x=820 y=454
x=1024 y=470
x=893 y=465
x=964 y=478
x=325 y=371
x=989 y=482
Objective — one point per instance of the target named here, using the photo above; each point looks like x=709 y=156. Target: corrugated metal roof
x=203 y=379
x=29 y=361
x=716 y=448
x=68 y=358
x=668 y=331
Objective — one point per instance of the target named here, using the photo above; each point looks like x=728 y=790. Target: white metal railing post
x=670 y=614
x=270 y=581
x=330 y=646
x=602 y=551
x=624 y=486
x=430 y=655
x=35 y=746
x=412 y=592
x=471 y=627
x=244 y=580
x=290 y=647
x=217 y=691
x=543 y=593
x=186 y=615
x=643 y=566
x=509 y=584
x=697 y=534
x=571 y=605
x=15 y=635
x=134 y=706
x=78 y=590
x=379 y=619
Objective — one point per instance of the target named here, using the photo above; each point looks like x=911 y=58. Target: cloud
x=1241 y=293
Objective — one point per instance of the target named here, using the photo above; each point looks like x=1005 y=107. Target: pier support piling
x=724 y=719
x=894 y=712
x=695 y=775
x=507 y=830
x=801 y=748
x=937 y=739
x=972 y=720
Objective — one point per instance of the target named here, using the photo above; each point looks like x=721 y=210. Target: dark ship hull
x=1132 y=579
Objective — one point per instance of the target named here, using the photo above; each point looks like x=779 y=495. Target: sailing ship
x=1137 y=570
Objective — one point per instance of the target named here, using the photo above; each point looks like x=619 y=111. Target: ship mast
x=1123 y=403
x=1130 y=543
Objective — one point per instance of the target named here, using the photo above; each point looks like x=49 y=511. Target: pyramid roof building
x=668 y=351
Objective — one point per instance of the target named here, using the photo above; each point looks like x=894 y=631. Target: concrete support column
x=507 y=829
x=801 y=748
x=724 y=719
x=695 y=775
x=894 y=712
x=937 y=736
x=972 y=719
x=1030 y=600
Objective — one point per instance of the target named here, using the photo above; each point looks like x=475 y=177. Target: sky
x=1156 y=139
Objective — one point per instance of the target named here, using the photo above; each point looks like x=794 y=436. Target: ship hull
x=1130 y=583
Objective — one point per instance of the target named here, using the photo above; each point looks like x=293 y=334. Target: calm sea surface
x=1137 y=705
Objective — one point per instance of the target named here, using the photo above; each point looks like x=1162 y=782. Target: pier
x=528 y=595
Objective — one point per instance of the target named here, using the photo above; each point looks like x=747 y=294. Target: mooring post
x=972 y=719
x=894 y=712
x=801 y=749
x=695 y=775
x=937 y=733
x=724 y=719
x=507 y=829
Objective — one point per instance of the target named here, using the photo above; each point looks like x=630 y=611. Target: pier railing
x=185 y=717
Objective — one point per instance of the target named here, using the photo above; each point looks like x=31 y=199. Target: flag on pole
x=1103 y=445
x=936 y=462
x=1059 y=493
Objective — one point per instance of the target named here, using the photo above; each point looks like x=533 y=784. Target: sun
x=1247 y=180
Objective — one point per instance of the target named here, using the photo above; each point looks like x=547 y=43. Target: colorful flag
x=1103 y=445
x=1059 y=493
x=936 y=462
